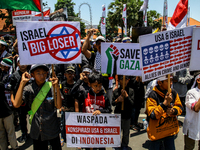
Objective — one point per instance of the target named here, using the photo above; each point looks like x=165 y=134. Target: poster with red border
x=87 y=130
x=165 y=52
x=46 y=42
x=195 y=54
x=21 y=15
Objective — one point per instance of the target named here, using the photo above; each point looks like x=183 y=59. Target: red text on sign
x=198 y=45
x=53 y=44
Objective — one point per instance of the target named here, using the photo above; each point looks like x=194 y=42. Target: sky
x=153 y=5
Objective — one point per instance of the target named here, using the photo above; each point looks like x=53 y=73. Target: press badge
x=49 y=98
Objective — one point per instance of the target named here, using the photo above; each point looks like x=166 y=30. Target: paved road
x=138 y=140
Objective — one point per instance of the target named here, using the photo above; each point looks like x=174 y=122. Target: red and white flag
x=179 y=18
x=45 y=13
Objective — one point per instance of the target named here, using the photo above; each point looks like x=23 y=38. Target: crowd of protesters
x=23 y=86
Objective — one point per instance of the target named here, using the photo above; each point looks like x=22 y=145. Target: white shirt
x=192 y=118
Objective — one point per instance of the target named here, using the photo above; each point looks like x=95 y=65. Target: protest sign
x=21 y=15
x=49 y=42
x=166 y=52
x=195 y=54
x=39 y=18
x=87 y=130
x=122 y=57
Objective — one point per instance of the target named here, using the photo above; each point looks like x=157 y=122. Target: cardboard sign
x=21 y=15
x=195 y=54
x=87 y=130
x=122 y=57
x=165 y=52
x=46 y=42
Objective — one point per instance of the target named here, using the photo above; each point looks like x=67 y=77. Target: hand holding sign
x=97 y=112
x=168 y=99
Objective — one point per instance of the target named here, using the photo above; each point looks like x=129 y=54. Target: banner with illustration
x=121 y=58
x=87 y=130
x=45 y=42
x=166 y=52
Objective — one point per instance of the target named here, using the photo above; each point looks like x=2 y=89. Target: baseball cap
x=70 y=68
x=125 y=39
x=100 y=38
x=35 y=66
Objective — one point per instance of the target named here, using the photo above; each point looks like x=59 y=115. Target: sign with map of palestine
x=166 y=52
x=49 y=42
x=124 y=58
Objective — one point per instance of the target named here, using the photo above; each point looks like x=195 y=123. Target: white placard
x=21 y=15
x=195 y=54
x=87 y=130
x=122 y=57
x=166 y=52
x=49 y=42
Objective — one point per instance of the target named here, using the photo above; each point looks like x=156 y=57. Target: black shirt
x=128 y=102
x=78 y=91
x=5 y=110
x=15 y=81
x=45 y=122
x=68 y=100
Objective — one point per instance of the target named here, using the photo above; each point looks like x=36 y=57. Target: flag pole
x=42 y=10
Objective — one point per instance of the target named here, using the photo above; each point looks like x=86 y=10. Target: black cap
x=35 y=66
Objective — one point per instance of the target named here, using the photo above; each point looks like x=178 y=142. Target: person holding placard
x=191 y=128
x=162 y=110
x=96 y=100
x=38 y=96
x=126 y=96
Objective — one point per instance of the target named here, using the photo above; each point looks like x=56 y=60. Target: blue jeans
x=62 y=126
x=168 y=143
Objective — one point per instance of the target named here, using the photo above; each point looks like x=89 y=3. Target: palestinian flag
x=33 y=5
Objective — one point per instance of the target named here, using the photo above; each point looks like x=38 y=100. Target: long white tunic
x=192 y=118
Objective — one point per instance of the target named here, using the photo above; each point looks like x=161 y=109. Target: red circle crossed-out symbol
x=53 y=53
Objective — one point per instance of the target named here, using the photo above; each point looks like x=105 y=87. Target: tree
x=72 y=16
x=66 y=3
x=134 y=17
x=111 y=31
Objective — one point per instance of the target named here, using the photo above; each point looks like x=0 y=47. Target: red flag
x=179 y=18
x=46 y=13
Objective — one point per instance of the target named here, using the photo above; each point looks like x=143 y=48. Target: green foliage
x=72 y=16
x=111 y=31
x=134 y=17
x=66 y=3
